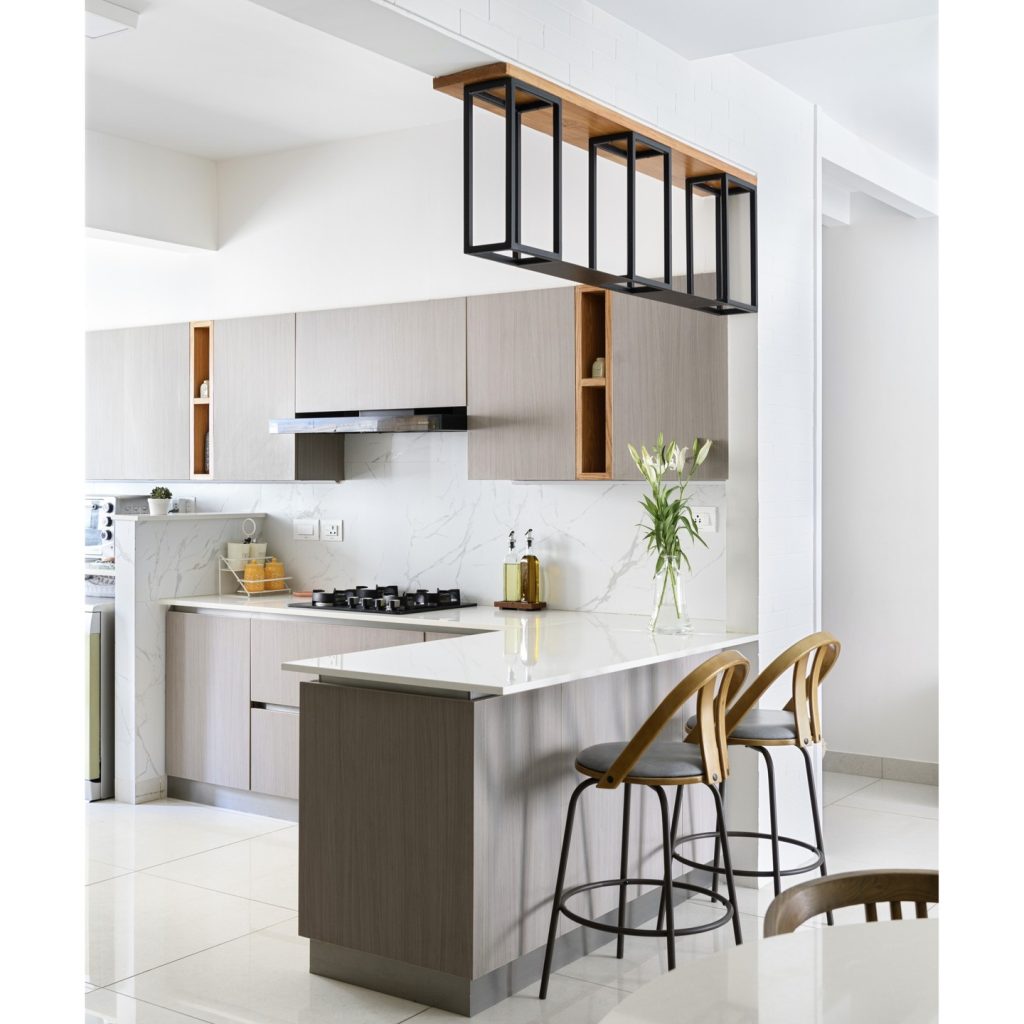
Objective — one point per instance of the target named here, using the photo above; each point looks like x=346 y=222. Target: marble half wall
x=156 y=559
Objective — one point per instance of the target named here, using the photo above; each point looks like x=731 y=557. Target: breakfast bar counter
x=432 y=787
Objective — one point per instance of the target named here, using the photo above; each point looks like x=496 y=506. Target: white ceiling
x=227 y=78
x=871 y=65
x=880 y=82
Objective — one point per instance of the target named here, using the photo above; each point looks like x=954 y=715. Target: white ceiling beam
x=398 y=35
x=137 y=191
x=856 y=165
x=835 y=206
x=104 y=19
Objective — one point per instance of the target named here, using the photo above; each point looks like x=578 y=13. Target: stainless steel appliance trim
x=374 y=421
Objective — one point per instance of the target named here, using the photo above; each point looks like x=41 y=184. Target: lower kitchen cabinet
x=207 y=694
x=275 y=730
x=232 y=712
x=274 y=641
x=275 y=752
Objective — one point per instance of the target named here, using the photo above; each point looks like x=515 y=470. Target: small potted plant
x=159 y=501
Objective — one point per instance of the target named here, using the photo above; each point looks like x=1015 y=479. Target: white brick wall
x=724 y=106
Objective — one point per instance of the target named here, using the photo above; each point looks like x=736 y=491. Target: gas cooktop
x=386 y=600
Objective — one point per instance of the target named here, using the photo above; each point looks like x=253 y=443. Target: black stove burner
x=387 y=600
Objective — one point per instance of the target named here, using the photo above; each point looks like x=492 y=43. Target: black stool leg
x=818 y=837
x=560 y=883
x=623 y=864
x=667 y=890
x=718 y=843
x=727 y=860
x=676 y=810
x=773 y=811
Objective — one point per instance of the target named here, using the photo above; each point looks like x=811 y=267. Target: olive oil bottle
x=529 y=569
x=512 y=575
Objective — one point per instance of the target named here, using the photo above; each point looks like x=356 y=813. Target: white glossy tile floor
x=191 y=916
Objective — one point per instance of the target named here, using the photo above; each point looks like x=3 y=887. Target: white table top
x=884 y=973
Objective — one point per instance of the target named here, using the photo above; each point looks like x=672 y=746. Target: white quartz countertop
x=491 y=652
x=459 y=621
x=527 y=654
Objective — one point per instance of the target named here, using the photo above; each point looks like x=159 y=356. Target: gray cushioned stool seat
x=665 y=759
x=761 y=724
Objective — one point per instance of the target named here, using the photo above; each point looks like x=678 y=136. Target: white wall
x=282 y=249
x=379 y=219
x=880 y=477
x=412 y=518
x=149 y=192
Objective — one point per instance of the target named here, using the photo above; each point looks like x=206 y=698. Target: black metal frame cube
x=624 y=146
x=511 y=248
x=721 y=186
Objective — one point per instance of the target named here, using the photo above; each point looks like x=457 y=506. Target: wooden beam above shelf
x=584 y=119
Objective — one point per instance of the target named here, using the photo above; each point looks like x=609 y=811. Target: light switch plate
x=305 y=529
x=332 y=530
x=706 y=518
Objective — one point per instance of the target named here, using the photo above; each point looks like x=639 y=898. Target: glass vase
x=670 y=614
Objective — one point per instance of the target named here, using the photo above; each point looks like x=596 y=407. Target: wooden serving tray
x=521 y=606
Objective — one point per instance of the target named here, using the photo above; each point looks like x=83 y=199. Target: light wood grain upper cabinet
x=403 y=356
x=521 y=385
x=207 y=694
x=253 y=382
x=137 y=404
x=670 y=376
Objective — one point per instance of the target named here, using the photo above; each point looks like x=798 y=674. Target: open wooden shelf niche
x=593 y=394
x=200 y=360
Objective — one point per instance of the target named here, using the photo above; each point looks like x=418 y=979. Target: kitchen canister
x=273 y=575
x=253 y=577
x=240 y=553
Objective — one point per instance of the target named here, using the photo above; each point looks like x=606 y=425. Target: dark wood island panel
x=431 y=825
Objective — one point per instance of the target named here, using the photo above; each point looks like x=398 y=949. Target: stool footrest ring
x=649 y=932
x=819 y=855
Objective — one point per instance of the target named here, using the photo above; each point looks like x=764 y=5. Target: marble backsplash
x=413 y=518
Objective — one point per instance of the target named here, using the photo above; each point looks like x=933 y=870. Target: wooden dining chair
x=848 y=889
x=646 y=760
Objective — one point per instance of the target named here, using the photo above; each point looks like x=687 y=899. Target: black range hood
x=374 y=421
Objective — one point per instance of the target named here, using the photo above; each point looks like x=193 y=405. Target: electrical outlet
x=332 y=529
x=305 y=529
x=185 y=506
x=706 y=518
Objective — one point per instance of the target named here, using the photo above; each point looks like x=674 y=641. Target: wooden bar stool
x=646 y=761
x=797 y=725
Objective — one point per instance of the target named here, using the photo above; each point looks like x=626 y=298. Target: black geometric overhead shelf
x=523 y=98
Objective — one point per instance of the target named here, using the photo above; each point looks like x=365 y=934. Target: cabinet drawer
x=274 y=642
x=275 y=753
